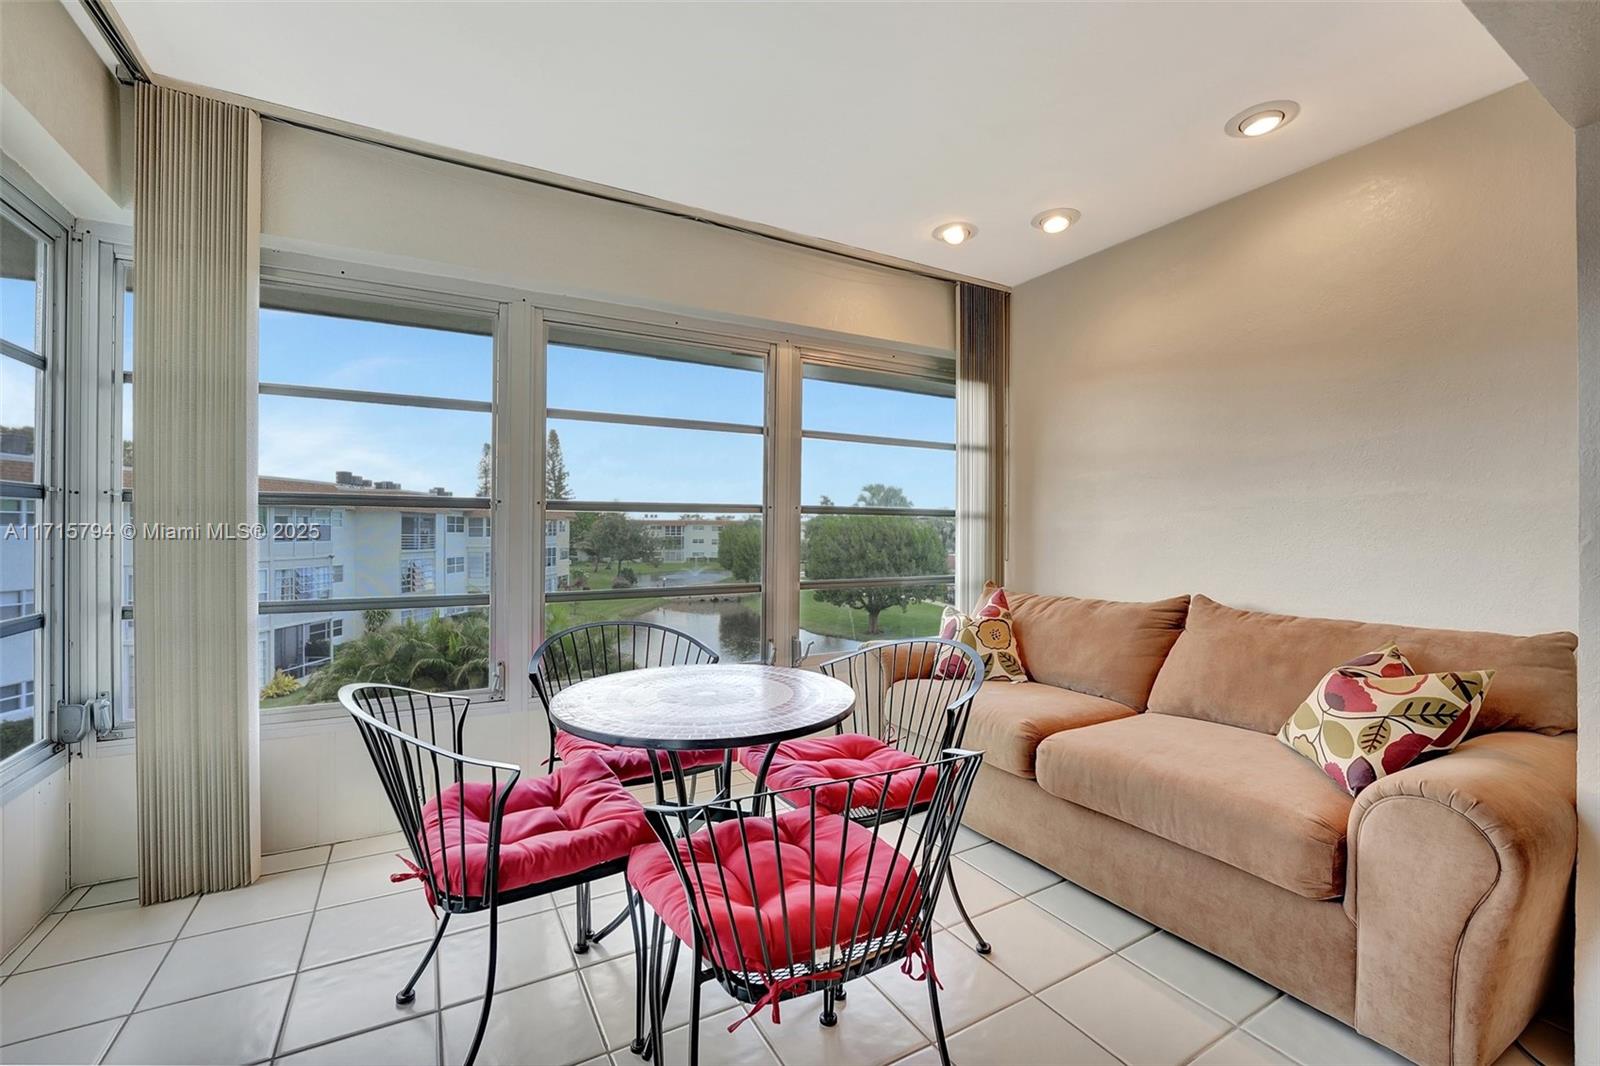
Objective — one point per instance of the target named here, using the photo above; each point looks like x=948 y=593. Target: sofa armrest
x=1459 y=870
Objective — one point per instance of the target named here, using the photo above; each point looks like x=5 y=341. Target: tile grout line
x=294 y=981
x=123 y=1024
x=58 y=916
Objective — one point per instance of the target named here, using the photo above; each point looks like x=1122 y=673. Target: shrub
x=282 y=684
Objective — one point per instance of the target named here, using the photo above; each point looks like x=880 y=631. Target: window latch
x=74 y=720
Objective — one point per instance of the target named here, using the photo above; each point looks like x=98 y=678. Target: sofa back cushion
x=1105 y=648
x=1252 y=669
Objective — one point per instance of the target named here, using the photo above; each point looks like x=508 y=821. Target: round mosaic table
x=693 y=708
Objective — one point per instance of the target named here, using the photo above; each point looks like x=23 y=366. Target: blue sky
x=423 y=447
x=16 y=326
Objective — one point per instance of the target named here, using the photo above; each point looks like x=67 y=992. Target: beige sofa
x=1143 y=765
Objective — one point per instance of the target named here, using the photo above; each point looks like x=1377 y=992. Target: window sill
x=482 y=700
x=28 y=766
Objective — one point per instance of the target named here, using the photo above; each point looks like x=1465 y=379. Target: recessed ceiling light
x=1056 y=220
x=954 y=233
x=1262 y=119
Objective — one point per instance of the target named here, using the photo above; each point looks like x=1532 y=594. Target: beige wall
x=1588 y=888
x=322 y=193
x=1349 y=393
x=59 y=110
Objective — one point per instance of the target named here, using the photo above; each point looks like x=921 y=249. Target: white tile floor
x=301 y=968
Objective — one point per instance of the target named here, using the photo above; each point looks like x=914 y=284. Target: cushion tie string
x=412 y=871
x=778 y=989
x=916 y=949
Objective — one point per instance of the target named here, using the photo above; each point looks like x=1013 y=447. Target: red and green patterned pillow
x=987 y=631
x=1373 y=716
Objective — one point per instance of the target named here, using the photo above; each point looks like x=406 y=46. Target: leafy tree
x=739 y=550
x=880 y=495
x=578 y=533
x=374 y=618
x=556 y=486
x=485 y=471
x=614 y=539
x=440 y=655
x=844 y=546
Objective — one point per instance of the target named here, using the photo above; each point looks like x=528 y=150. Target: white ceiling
x=862 y=124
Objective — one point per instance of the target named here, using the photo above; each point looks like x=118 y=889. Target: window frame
x=328 y=289
x=51 y=227
x=937 y=380
x=631 y=337
x=517 y=610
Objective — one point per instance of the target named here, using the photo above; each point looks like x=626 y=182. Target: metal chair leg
x=828 y=1017
x=409 y=992
x=488 y=987
x=585 y=932
x=694 y=1008
x=635 y=913
x=610 y=927
x=657 y=1009
x=933 y=1006
x=983 y=946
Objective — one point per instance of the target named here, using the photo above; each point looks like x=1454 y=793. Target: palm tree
x=440 y=655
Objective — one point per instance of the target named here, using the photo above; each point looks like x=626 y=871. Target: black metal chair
x=914 y=696
x=451 y=808
x=596 y=649
x=779 y=899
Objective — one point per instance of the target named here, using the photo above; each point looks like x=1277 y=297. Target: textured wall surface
x=1348 y=393
x=384 y=207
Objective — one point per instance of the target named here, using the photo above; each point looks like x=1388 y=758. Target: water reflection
x=733 y=628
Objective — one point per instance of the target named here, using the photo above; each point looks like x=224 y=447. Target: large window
x=121 y=309
x=29 y=256
x=878 y=485
x=654 y=484
x=376 y=420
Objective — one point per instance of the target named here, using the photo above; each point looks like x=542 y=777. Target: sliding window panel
x=644 y=463
x=839 y=618
x=836 y=400
x=382 y=447
x=23 y=308
x=20 y=691
x=19 y=420
x=376 y=476
x=728 y=623
x=330 y=352
x=878 y=494
x=307 y=655
x=847 y=474
x=20 y=537
x=670 y=381
x=655 y=552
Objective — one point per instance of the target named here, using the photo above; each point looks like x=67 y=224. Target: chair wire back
x=905 y=697
x=595 y=649
x=414 y=739
x=848 y=933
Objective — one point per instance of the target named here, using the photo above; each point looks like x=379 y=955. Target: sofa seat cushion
x=1234 y=794
x=1008 y=721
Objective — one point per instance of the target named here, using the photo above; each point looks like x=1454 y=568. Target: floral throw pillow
x=987 y=631
x=1373 y=716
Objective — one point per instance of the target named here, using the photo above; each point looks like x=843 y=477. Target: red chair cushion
x=819 y=760
x=576 y=818
x=764 y=895
x=630 y=764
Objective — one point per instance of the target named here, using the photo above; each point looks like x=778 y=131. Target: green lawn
x=918 y=620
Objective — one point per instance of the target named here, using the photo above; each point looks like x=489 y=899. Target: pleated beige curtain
x=983 y=354
x=197 y=225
